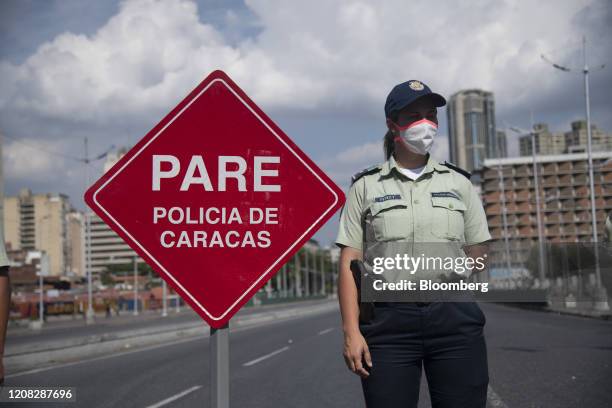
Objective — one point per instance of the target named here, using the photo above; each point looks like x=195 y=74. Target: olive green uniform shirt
x=441 y=205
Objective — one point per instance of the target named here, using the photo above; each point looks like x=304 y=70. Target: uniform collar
x=432 y=164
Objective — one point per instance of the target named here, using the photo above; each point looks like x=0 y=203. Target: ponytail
x=389 y=139
x=388 y=144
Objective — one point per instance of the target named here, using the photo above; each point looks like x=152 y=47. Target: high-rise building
x=472 y=134
x=573 y=141
x=564 y=198
x=75 y=261
x=502 y=144
x=576 y=139
x=108 y=248
x=43 y=222
x=546 y=142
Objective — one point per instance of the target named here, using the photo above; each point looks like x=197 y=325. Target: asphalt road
x=536 y=359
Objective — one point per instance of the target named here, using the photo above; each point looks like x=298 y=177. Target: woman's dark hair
x=388 y=142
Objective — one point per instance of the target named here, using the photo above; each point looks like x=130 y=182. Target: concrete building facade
x=564 y=198
x=576 y=139
x=43 y=222
x=573 y=141
x=75 y=261
x=108 y=248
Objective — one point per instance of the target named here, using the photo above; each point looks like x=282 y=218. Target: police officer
x=413 y=198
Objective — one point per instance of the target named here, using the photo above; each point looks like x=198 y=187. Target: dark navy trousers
x=444 y=338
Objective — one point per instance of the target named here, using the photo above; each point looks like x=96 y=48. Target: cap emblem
x=416 y=85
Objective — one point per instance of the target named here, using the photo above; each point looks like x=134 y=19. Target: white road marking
x=136 y=350
x=325 y=331
x=494 y=399
x=257 y=360
x=175 y=397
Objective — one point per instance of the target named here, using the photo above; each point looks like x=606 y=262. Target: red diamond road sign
x=216 y=198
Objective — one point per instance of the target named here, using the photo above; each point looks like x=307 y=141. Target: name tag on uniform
x=445 y=194
x=387 y=197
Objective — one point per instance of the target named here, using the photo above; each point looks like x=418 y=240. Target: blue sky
x=321 y=69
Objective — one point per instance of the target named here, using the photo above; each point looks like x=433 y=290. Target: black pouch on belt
x=366 y=309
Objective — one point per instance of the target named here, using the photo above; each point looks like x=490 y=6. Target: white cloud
x=149 y=52
x=22 y=162
x=310 y=55
x=342 y=165
x=337 y=57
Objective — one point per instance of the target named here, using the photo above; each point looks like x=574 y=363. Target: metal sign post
x=219 y=367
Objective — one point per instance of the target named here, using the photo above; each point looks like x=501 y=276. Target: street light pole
x=87 y=160
x=590 y=160
x=602 y=296
x=542 y=260
x=90 y=312
x=135 y=286
x=165 y=299
x=284 y=280
x=322 y=259
x=500 y=175
x=536 y=177
x=306 y=272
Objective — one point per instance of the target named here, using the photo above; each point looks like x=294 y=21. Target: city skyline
x=314 y=84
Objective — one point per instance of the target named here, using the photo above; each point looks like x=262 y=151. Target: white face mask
x=418 y=136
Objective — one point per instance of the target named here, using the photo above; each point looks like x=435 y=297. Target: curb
x=580 y=313
x=92 y=346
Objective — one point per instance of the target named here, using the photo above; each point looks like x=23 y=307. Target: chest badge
x=446 y=194
x=387 y=197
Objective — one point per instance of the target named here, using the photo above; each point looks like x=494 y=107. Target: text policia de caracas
x=196 y=174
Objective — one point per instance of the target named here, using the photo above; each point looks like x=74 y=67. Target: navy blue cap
x=407 y=92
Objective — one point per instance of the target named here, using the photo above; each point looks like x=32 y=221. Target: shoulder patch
x=370 y=170
x=458 y=169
